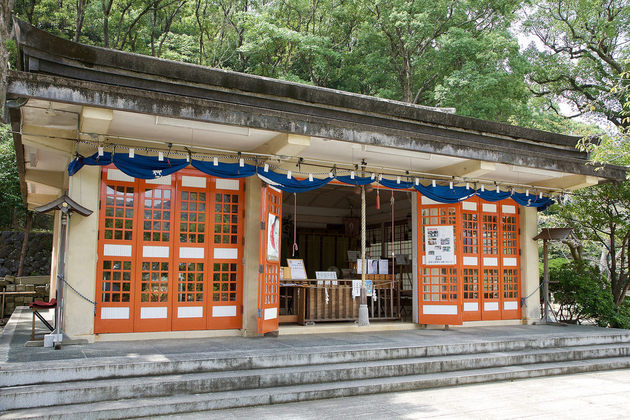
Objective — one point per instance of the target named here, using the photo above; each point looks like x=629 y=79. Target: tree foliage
x=601 y=215
x=10 y=196
x=581 y=293
x=585 y=46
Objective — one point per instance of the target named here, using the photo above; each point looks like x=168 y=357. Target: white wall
x=529 y=265
x=78 y=314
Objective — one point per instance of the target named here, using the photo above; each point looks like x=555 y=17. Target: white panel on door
x=508 y=209
x=510 y=306
x=153 y=312
x=509 y=262
x=193 y=181
x=155 y=251
x=271 y=313
x=489 y=208
x=118 y=175
x=190 y=252
x=490 y=261
x=439 y=309
x=110 y=250
x=220 y=311
x=428 y=201
x=163 y=180
x=225 y=253
x=227 y=184
x=190 y=312
x=470 y=260
x=469 y=205
x=471 y=306
x=491 y=306
x=114 y=313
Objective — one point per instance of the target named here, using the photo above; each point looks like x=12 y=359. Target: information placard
x=298 y=272
x=439 y=243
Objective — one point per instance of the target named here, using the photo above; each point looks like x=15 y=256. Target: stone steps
x=115 y=367
x=187 y=403
x=149 y=386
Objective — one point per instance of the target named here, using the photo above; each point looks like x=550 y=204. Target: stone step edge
x=85 y=369
x=178 y=404
x=50 y=395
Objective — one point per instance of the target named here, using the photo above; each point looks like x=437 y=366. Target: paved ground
x=18 y=332
x=601 y=395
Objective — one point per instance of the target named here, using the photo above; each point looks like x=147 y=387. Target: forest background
x=555 y=65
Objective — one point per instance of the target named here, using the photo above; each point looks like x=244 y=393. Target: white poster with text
x=439 y=243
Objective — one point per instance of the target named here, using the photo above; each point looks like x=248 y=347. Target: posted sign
x=439 y=243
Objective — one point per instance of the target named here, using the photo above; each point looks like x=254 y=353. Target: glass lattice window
x=439 y=284
x=116 y=284
x=471 y=283
x=226 y=218
x=190 y=282
x=154 y=283
x=192 y=224
x=510 y=283
x=118 y=212
x=490 y=283
x=510 y=235
x=470 y=233
x=490 y=234
x=157 y=215
x=224 y=282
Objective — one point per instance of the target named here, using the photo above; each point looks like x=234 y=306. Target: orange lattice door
x=510 y=261
x=155 y=271
x=471 y=288
x=269 y=269
x=191 y=270
x=440 y=299
x=225 y=310
x=490 y=261
x=116 y=250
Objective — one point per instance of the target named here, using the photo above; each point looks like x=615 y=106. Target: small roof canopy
x=64 y=204
x=554 y=234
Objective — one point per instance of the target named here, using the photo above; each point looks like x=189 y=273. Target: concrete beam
x=45 y=143
x=285 y=145
x=96 y=120
x=569 y=182
x=232 y=108
x=467 y=169
x=48 y=132
x=53 y=179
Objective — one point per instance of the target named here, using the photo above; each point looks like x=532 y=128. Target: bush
x=580 y=291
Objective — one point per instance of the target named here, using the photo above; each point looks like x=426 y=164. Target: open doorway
x=322 y=232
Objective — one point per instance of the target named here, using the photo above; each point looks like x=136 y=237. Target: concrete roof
x=56 y=69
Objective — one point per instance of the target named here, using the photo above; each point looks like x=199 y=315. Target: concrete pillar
x=54 y=255
x=253 y=189
x=78 y=314
x=414 y=256
x=530 y=277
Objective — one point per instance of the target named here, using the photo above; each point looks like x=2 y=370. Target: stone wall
x=37 y=262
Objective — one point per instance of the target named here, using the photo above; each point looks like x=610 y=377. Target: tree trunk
x=81 y=5
x=27 y=230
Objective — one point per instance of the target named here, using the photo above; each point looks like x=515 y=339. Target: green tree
x=606 y=224
x=584 y=45
x=11 y=205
